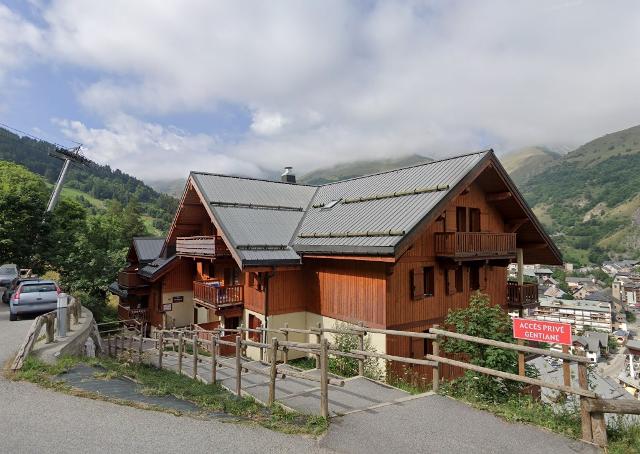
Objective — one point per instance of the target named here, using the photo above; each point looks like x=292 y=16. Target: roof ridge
x=408 y=167
x=250 y=178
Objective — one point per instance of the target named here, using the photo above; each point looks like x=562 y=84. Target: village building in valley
x=392 y=250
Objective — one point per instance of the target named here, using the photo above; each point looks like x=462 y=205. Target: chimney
x=288 y=176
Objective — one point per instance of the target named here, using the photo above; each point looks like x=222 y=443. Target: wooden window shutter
x=483 y=277
x=451 y=281
x=417 y=348
x=418 y=283
x=252 y=279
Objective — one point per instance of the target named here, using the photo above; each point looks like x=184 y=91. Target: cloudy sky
x=157 y=88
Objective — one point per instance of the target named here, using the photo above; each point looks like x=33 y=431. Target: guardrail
x=74 y=311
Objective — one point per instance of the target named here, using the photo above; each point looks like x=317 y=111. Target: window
x=474 y=219
x=474 y=277
x=254 y=323
x=459 y=280
x=331 y=204
x=422 y=282
x=461 y=219
x=252 y=279
x=427 y=348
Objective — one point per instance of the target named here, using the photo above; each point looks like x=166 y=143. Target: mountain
x=359 y=168
x=92 y=186
x=527 y=162
x=174 y=188
x=589 y=199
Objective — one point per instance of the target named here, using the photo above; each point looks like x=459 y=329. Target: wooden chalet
x=393 y=250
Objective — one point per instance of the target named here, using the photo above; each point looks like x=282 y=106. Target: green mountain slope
x=590 y=198
x=92 y=186
x=359 y=168
x=524 y=163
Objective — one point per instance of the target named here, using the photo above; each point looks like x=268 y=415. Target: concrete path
x=300 y=394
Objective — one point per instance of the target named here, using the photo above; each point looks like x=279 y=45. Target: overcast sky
x=159 y=87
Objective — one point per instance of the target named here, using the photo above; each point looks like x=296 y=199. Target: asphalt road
x=37 y=420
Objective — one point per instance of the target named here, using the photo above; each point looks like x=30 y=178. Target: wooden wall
x=347 y=290
x=254 y=294
x=180 y=278
x=288 y=292
x=403 y=312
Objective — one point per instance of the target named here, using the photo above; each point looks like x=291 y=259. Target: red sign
x=540 y=331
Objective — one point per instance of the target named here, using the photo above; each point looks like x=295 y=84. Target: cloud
x=333 y=81
x=152 y=151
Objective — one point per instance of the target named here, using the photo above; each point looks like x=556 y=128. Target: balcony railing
x=470 y=245
x=129 y=313
x=201 y=246
x=525 y=295
x=210 y=294
x=130 y=279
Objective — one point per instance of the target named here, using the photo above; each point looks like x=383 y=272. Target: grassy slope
x=524 y=163
x=359 y=168
x=591 y=197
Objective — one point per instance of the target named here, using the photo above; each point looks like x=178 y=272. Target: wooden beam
x=514 y=224
x=498 y=196
x=620 y=406
x=367 y=258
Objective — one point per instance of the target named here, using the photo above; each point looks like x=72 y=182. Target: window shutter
x=418 y=283
x=483 y=277
x=417 y=348
x=451 y=281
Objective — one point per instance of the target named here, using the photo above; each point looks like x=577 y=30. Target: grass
x=210 y=398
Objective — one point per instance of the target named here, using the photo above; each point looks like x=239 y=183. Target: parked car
x=33 y=297
x=9 y=275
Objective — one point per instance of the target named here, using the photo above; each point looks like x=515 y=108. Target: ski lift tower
x=67 y=156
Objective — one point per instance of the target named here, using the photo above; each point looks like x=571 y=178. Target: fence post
x=50 y=329
x=521 y=362
x=160 y=349
x=361 y=348
x=140 y=345
x=130 y=349
x=238 y=366
x=566 y=367
x=435 y=381
x=214 y=359
x=324 y=379
x=585 y=416
x=274 y=370
x=318 y=341
x=108 y=342
x=195 y=356
x=285 y=351
x=180 y=347
x=263 y=337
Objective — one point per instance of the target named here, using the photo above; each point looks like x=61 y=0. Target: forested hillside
x=528 y=162
x=590 y=198
x=86 y=183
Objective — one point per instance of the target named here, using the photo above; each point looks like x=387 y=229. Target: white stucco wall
x=182 y=312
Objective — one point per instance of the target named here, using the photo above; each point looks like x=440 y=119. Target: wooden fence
x=233 y=343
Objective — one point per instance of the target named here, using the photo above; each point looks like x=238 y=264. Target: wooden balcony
x=201 y=246
x=475 y=245
x=217 y=297
x=522 y=296
x=128 y=313
x=130 y=279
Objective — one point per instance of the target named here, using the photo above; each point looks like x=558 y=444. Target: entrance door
x=231 y=322
x=474 y=220
x=461 y=219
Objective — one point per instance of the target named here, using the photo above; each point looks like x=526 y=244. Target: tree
x=23 y=198
x=482 y=319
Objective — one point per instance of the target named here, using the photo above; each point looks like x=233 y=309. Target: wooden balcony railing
x=129 y=313
x=207 y=293
x=201 y=246
x=469 y=245
x=130 y=279
x=525 y=295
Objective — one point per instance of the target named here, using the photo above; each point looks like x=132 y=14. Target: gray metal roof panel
x=148 y=248
x=394 y=213
x=271 y=257
x=228 y=189
x=156 y=266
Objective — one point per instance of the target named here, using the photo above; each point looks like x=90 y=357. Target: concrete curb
x=73 y=344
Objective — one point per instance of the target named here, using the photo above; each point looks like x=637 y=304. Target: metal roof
x=155 y=267
x=379 y=209
x=148 y=248
x=258 y=217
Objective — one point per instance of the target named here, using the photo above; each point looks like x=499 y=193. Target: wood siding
x=418 y=314
x=352 y=291
x=288 y=292
x=180 y=278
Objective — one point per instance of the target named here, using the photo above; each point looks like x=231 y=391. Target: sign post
x=62 y=314
x=542 y=331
